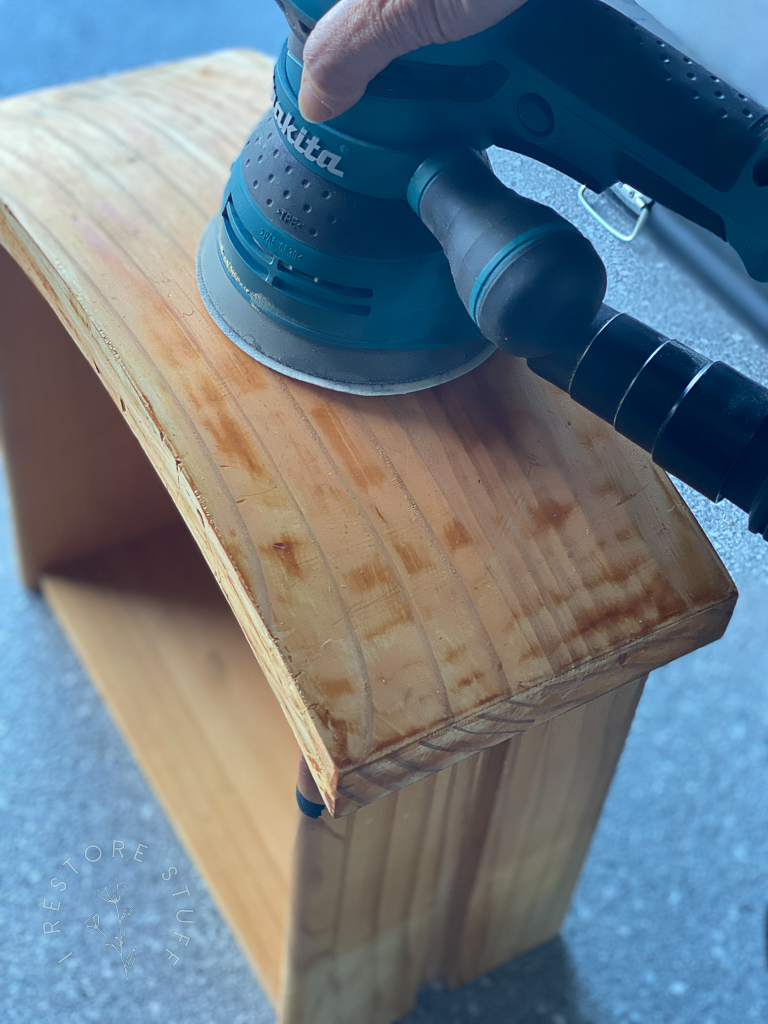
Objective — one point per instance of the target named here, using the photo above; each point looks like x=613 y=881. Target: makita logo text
x=309 y=147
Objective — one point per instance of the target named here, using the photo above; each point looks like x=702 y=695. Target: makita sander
x=378 y=253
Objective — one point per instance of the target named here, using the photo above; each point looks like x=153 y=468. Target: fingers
x=356 y=40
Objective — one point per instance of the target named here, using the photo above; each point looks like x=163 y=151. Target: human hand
x=356 y=40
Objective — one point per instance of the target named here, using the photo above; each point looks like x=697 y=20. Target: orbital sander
x=378 y=253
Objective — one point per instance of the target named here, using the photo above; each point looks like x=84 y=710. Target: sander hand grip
x=605 y=100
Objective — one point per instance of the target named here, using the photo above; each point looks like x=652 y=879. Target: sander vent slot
x=255 y=257
x=322 y=294
x=330 y=286
x=313 y=291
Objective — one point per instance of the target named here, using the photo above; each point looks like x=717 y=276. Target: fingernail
x=311 y=106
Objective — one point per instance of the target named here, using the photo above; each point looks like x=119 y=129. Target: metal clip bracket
x=631 y=200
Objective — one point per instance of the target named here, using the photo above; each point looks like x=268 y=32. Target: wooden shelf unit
x=446 y=602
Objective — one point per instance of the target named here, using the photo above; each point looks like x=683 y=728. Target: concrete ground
x=668 y=925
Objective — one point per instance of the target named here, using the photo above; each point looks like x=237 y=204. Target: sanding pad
x=359 y=371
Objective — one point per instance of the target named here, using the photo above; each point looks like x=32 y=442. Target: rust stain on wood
x=615 y=575
x=474 y=677
x=336 y=687
x=398 y=613
x=413 y=562
x=551 y=514
x=656 y=604
x=284 y=551
x=551 y=644
x=668 y=601
x=341 y=729
x=456 y=536
x=606 y=488
x=375 y=573
x=532 y=654
x=232 y=440
x=363 y=471
x=453 y=655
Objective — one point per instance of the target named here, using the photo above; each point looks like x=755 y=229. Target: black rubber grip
x=528 y=278
x=641 y=82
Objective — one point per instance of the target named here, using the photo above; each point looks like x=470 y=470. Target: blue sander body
x=378 y=253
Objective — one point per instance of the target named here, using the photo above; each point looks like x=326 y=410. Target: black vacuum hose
x=700 y=420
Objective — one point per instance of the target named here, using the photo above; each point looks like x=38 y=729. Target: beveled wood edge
x=433 y=751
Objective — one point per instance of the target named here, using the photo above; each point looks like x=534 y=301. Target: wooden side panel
x=452 y=876
x=171 y=663
x=79 y=479
x=540 y=830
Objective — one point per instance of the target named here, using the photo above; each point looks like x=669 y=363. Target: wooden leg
x=79 y=479
x=453 y=875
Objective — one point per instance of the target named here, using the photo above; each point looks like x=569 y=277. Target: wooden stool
x=453 y=597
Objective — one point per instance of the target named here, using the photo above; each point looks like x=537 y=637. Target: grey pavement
x=668 y=925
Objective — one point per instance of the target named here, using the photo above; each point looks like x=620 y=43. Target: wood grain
x=451 y=876
x=170 y=661
x=420 y=577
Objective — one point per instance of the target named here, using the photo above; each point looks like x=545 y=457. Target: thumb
x=357 y=39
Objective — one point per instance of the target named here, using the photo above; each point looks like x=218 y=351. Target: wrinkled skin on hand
x=356 y=40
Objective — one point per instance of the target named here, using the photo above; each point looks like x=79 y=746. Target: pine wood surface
x=420 y=577
x=170 y=661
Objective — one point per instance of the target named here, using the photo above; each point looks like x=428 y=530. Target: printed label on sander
x=312 y=146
